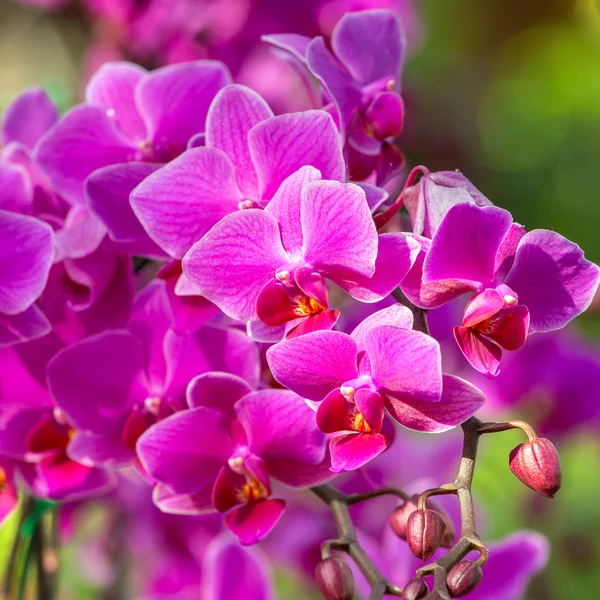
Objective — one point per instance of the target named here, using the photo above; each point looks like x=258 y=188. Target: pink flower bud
x=334 y=579
x=463 y=578
x=415 y=589
x=399 y=518
x=537 y=465
x=425 y=532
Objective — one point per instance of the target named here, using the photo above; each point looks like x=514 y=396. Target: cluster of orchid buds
x=217 y=300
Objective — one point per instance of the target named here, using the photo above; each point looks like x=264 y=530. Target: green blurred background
x=508 y=92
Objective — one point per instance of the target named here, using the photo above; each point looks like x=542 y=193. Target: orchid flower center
x=49 y=435
x=253 y=489
x=3 y=480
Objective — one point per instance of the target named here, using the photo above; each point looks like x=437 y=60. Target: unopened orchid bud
x=334 y=579
x=425 y=532
x=537 y=465
x=399 y=518
x=415 y=589
x=463 y=578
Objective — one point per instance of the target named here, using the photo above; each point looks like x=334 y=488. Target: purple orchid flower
x=34 y=434
x=361 y=77
x=246 y=156
x=246 y=438
x=131 y=120
x=27 y=250
x=132 y=378
x=522 y=282
x=28 y=190
x=272 y=264
x=383 y=365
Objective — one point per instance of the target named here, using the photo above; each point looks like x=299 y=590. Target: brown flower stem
x=339 y=504
x=507 y=426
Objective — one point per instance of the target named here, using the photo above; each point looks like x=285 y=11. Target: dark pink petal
x=179 y=203
x=183 y=504
x=334 y=414
x=552 y=279
x=338 y=232
x=233 y=113
x=285 y=206
x=232 y=263
x=396 y=315
x=95 y=382
x=107 y=451
x=112 y=88
x=281 y=145
x=370 y=406
x=225 y=489
x=59 y=478
x=280 y=426
x=509 y=327
x=482 y=306
x=336 y=80
x=314 y=364
x=370 y=44
x=107 y=192
x=252 y=580
x=252 y=522
x=354 y=450
x=28 y=117
x=85 y=139
x=174 y=101
x=323 y=321
x=277 y=304
x=26 y=255
x=16 y=193
x=506 y=253
x=460 y=401
x=405 y=364
x=23 y=327
x=484 y=355
x=186 y=450
x=396 y=255
x=217 y=390
x=466 y=260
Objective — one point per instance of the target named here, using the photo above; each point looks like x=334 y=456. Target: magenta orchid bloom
x=272 y=264
x=129 y=115
x=246 y=438
x=522 y=282
x=383 y=365
x=361 y=78
x=246 y=155
x=34 y=434
x=27 y=250
x=132 y=378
